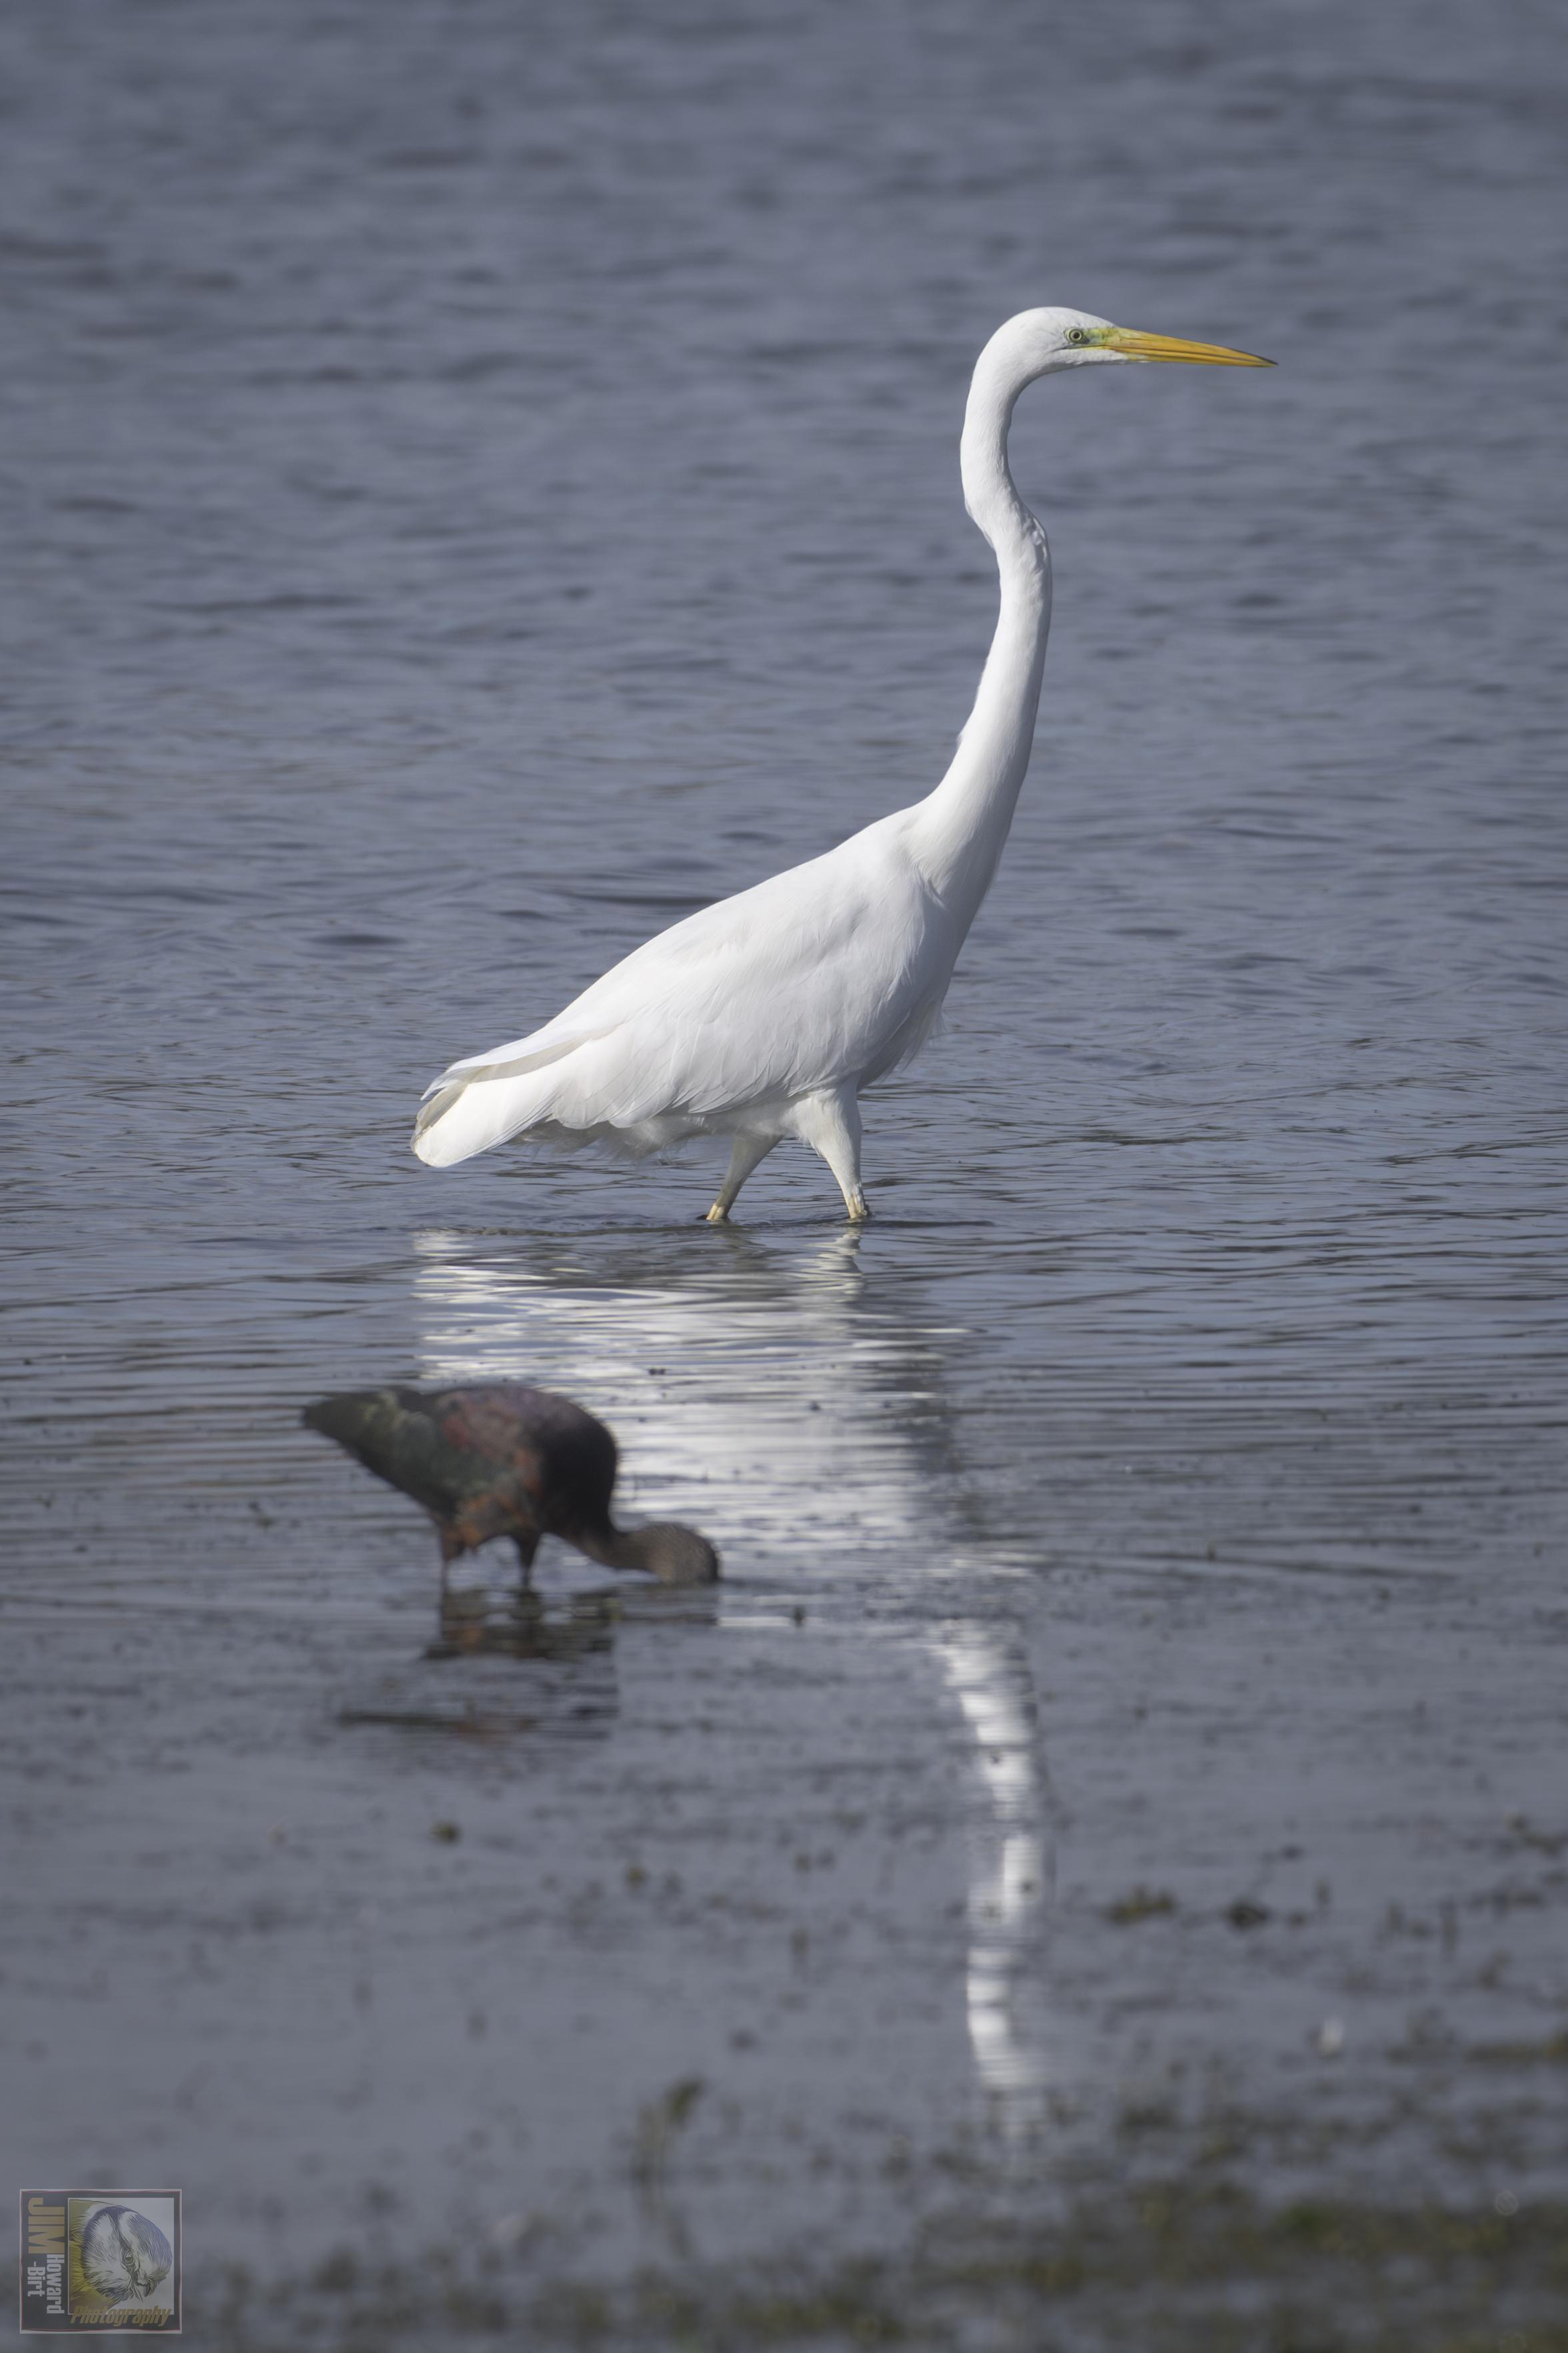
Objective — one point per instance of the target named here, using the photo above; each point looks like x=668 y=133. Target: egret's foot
x=717 y=1216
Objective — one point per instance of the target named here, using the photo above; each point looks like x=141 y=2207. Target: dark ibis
x=504 y=1459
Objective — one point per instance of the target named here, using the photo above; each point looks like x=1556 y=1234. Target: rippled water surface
x=481 y=483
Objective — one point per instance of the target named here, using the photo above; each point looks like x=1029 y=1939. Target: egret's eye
x=1077 y=334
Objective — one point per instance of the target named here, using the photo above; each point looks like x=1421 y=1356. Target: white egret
x=764 y=1015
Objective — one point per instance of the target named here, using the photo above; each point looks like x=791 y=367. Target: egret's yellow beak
x=1134 y=346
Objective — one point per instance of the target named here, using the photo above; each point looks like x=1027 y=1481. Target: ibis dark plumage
x=505 y=1460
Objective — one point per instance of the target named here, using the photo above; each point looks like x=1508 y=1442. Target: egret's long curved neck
x=959 y=829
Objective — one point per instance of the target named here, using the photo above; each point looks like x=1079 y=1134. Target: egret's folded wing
x=785 y=988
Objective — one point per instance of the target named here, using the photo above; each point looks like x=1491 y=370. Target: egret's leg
x=527 y=1546
x=831 y=1125
x=745 y=1152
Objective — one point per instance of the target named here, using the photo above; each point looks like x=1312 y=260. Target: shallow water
x=478 y=494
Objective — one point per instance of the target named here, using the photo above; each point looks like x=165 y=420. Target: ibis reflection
x=791 y=1407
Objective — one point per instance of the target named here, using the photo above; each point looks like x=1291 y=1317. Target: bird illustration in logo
x=123 y=2255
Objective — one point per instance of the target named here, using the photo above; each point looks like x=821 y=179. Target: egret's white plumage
x=765 y=1014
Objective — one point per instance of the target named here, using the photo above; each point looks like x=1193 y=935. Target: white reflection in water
x=780 y=1403
x=1010 y=1871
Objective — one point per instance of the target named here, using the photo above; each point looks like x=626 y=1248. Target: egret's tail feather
x=462 y=1119
x=483 y=1101
x=434 y=1106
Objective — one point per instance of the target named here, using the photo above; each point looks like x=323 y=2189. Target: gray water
x=479 y=483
